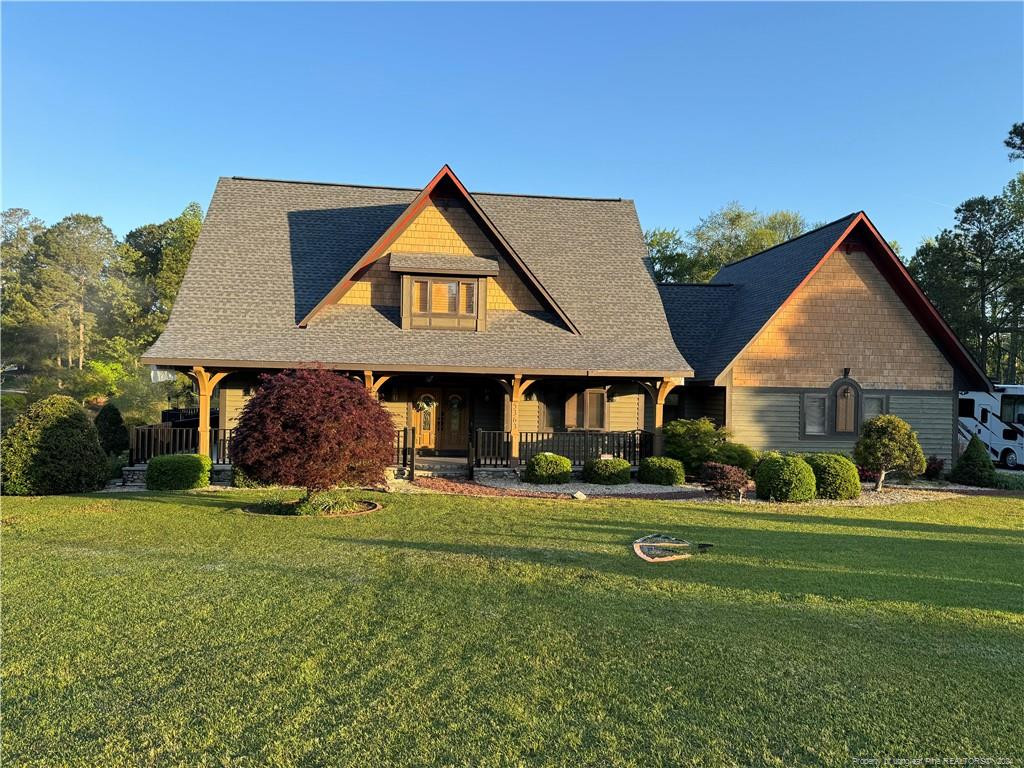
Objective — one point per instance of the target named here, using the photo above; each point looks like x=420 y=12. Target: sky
x=130 y=111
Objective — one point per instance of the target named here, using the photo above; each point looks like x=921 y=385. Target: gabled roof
x=443 y=179
x=759 y=286
x=270 y=251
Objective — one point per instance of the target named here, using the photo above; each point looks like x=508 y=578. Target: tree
x=1015 y=141
x=973 y=275
x=53 y=448
x=72 y=256
x=112 y=431
x=974 y=467
x=720 y=238
x=313 y=428
x=888 y=444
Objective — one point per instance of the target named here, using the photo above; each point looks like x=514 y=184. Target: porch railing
x=493 y=448
x=147 y=442
x=405 y=450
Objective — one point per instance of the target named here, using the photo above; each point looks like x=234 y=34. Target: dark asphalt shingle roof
x=712 y=323
x=430 y=262
x=269 y=251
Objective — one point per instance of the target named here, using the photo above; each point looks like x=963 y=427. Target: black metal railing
x=147 y=442
x=493 y=448
x=405 y=450
x=580 y=446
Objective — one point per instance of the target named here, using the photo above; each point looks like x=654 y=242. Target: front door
x=453 y=421
x=426 y=403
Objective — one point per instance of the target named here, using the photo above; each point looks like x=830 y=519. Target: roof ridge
x=792 y=239
x=417 y=189
x=703 y=285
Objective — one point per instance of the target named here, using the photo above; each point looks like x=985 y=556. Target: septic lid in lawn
x=659 y=548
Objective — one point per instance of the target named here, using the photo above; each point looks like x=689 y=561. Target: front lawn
x=174 y=629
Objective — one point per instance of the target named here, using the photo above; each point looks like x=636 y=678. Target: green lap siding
x=770 y=420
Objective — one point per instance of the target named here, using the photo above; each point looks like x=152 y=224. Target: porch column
x=206 y=381
x=515 y=393
x=660 y=394
x=372 y=383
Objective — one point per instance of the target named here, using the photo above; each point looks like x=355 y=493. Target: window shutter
x=571 y=404
x=846 y=409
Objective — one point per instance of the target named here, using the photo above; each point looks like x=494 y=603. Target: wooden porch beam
x=205 y=382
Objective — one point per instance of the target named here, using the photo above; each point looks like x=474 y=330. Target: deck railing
x=493 y=448
x=147 y=442
x=405 y=449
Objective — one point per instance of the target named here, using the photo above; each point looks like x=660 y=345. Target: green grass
x=174 y=629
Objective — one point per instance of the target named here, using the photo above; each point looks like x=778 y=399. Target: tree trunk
x=880 y=481
x=81 y=334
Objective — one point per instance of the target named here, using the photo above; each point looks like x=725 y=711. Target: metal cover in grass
x=659 y=548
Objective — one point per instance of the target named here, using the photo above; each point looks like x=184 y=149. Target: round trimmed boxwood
x=661 y=470
x=606 y=471
x=53 y=448
x=835 y=476
x=179 y=472
x=547 y=469
x=736 y=455
x=784 y=478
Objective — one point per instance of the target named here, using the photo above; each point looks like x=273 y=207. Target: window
x=1012 y=409
x=966 y=407
x=814 y=414
x=594 y=407
x=874 y=405
x=436 y=302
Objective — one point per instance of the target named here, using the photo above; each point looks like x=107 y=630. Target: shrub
x=1007 y=482
x=661 y=470
x=725 y=480
x=115 y=464
x=606 y=471
x=693 y=441
x=785 y=478
x=934 y=468
x=835 y=476
x=53 y=448
x=974 y=467
x=178 y=472
x=315 y=429
x=113 y=433
x=241 y=480
x=548 y=468
x=736 y=455
x=888 y=444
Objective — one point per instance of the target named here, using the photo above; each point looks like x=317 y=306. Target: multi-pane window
x=443 y=303
x=874 y=405
x=815 y=408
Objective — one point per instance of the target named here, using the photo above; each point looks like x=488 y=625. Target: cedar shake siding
x=845 y=316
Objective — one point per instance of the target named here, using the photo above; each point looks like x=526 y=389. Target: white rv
x=997 y=418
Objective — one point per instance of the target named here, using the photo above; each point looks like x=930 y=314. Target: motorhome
x=997 y=418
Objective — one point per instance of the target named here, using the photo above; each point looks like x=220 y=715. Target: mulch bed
x=466 y=488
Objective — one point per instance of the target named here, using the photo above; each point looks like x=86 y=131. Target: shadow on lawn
x=870 y=522
x=926 y=571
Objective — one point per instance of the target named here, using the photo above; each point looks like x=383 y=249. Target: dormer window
x=442 y=302
x=443 y=291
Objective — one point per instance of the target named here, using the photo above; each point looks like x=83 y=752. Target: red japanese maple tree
x=315 y=429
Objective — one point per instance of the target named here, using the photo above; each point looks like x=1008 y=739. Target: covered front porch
x=485 y=419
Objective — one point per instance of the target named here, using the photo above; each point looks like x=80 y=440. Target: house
x=524 y=322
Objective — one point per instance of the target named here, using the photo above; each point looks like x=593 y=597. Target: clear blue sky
x=131 y=111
